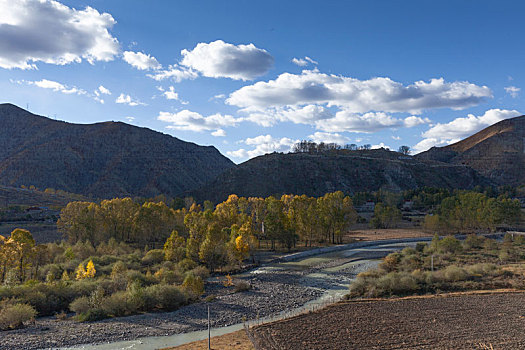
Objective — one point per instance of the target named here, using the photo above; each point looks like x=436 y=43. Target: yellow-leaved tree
x=90 y=269
x=80 y=272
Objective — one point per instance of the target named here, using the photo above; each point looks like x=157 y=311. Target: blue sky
x=253 y=77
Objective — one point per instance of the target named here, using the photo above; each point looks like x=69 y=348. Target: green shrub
x=135 y=297
x=80 y=305
x=201 y=271
x=164 y=297
x=449 y=244
x=398 y=283
x=187 y=264
x=193 y=285
x=116 y=304
x=14 y=316
x=92 y=315
x=153 y=257
x=473 y=242
x=453 y=273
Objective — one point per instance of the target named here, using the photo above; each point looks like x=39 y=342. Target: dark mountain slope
x=497 y=152
x=348 y=171
x=104 y=159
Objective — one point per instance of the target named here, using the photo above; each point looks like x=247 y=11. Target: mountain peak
x=497 y=152
x=104 y=159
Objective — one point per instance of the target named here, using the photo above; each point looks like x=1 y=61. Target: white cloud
x=357 y=96
x=308 y=114
x=381 y=145
x=352 y=122
x=459 y=128
x=327 y=137
x=193 y=121
x=53 y=85
x=47 y=31
x=412 y=121
x=171 y=94
x=219 y=133
x=223 y=60
x=128 y=100
x=512 y=91
x=103 y=90
x=397 y=138
x=130 y=119
x=263 y=144
x=303 y=62
x=174 y=72
x=141 y=61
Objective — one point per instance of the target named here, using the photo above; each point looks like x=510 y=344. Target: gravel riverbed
x=273 y=291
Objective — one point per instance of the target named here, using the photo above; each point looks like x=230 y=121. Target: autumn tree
x=336 y=213
x=175 y=247
x=385 y=216
x=23 y=244
x=213 y=251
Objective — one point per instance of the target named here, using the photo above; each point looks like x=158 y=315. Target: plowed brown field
x=471 y=321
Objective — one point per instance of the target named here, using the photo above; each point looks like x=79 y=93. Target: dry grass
x=234 y=341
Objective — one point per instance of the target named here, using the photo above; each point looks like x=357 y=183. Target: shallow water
x=334 y=287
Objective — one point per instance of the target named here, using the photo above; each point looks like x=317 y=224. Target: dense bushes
x=475 y=263
x=14 y=316
x=160 y=297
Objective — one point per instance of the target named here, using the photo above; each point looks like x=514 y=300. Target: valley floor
x=276 y=288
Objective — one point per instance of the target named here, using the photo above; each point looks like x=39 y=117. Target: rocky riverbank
x=273 y=291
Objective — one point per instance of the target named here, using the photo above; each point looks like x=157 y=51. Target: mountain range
x=111 y=159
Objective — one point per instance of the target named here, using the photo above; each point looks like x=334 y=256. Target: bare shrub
x=14 y=316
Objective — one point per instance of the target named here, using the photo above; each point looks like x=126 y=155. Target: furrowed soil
x=468 y=321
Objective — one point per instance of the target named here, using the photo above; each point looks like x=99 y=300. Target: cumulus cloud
x=101 y=89
x=223 y=60
x=357 y=96
x=193 y=121
x=128 y=100
x=263 y=144
x=170 y=94
x=53 y=85
x=219 y=133
x=47 y=31
x=459 y=128
x=141 y=61
x=412 y=121
x=303 y=62
x=365 y=123
x=512 y=91
x=308 y=114
x=336 y=103
x=175 y=73
x=327 y=137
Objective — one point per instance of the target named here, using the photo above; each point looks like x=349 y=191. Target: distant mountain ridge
x=496 y=152
x=347 y=171
x=104 y=159
x=494 y=156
